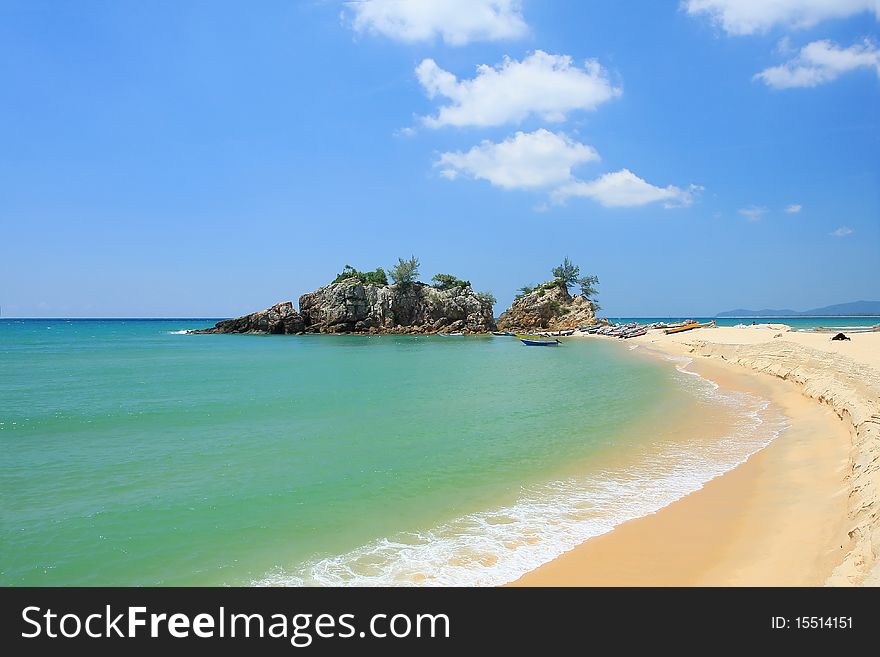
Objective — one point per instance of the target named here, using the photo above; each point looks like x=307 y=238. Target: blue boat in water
x=539 y=343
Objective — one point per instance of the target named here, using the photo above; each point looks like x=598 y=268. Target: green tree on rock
x=404 y=272
x=487 y=299
x=448 y=281
x=376 y=277
x=567 y=272
x=588 y=286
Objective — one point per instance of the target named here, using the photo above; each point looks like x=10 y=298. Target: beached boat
x=539 y=343
x=680 y=329
x=688 y=327
x=635 y=333
x=619 y=330
x=503 y=333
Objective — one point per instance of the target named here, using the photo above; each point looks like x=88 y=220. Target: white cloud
x=625 y=189
x=544 y=85
x=751 y=16
x=526 y=160
x=457 y=22
x=794 y=208
x=843 y=231
x=820 y=62
x=753 y=212
x=544 y=160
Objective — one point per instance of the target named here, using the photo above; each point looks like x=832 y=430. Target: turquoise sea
x=133 y=454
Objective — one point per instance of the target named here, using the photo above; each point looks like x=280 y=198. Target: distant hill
x=837 y=310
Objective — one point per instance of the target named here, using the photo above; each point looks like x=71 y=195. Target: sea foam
x=498 y=546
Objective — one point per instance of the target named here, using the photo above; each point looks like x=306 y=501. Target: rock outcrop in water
x=548 y=307
x=352 y=306
x=279 y=319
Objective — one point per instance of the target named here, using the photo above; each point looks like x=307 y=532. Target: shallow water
x=133 y=454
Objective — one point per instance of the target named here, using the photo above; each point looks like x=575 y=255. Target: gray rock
x=280 y=318
x=353 y=306
x=548 y=307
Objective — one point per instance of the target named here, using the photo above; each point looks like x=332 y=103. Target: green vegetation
x=487 y=299
x=588 y=286
x=376 y=277
x=448 y=281
x=524 y=290
x=567 y=272
x=405 y=272
x=540 y=289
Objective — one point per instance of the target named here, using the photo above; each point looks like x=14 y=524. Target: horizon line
x=619 y=315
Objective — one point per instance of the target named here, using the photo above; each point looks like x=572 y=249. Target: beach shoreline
x=802 y=511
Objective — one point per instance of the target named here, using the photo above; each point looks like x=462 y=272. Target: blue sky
x=212 y=158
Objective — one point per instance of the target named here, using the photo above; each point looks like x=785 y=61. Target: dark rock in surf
x=279 y=319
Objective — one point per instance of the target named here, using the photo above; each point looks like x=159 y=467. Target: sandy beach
x=803 y=511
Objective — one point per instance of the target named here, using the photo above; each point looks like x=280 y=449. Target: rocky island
x=550 y=307
x=365 y=302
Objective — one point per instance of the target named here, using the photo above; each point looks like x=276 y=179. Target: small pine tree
x=588 y=286
x=567 y=272
x=404 y=272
